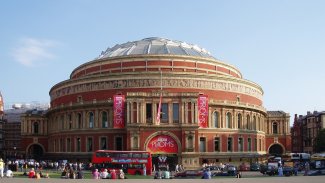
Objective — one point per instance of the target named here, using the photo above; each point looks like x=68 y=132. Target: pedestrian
x=280 y=171
x=104 y=174
x=306 y=168
x=207 y=174
x=121 y=175
x=2 y=165
x=96 y=174
x=144 y=170
x=113 y=174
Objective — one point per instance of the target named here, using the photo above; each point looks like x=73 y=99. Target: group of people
x=106 y=174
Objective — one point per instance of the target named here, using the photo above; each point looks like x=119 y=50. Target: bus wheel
x=137 y=173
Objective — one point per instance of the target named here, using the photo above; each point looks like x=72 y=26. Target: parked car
x=288 y=170
x=214 y=170
x=271 y=170
x=255 y=167
x=189 y=173
x=231 y=170
x=244 y=167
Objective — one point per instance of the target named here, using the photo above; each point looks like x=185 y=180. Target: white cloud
x=31 y=52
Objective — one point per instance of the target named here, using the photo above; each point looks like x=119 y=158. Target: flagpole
x=160 y=80
x=160 y=99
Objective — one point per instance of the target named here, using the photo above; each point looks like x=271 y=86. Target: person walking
x=2 y=165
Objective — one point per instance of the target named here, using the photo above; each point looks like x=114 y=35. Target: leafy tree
x=320 y=141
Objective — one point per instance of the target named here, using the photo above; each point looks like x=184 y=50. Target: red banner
x=162 y=144
x=203 y=110
x=119 y=111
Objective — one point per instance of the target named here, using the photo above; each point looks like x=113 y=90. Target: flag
x=158 y=111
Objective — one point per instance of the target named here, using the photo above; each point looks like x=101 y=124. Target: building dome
x=155 y=46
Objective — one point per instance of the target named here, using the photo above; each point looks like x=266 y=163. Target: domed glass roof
x=155 y=46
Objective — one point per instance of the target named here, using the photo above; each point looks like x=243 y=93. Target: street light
x=15 y=152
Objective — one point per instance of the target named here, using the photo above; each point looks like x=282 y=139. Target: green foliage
x=320 y=141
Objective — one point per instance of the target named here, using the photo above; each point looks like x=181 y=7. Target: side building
x=305 y=131
x=2 y=154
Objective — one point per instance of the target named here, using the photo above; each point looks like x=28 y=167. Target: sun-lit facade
x=208 y=111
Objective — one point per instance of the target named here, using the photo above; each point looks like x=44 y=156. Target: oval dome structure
x=155 y=46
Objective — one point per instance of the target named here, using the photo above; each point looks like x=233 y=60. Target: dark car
x=288 y=170
x=271 y=170
x=263 y=168
x=214 y=170
x=255 y=167
x=231 y=170
x=189 y=173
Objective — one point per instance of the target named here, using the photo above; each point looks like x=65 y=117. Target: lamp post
x=15 y=152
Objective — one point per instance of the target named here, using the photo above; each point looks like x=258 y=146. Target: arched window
x=248 y=120
x=104 y=119
x=275 y=128
x=228 y=120
x=79 y=116
x=35 y=126
x=91 y=120
x=216 y=120
x=239 y=121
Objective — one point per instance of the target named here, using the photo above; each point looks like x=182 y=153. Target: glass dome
x=155 y=46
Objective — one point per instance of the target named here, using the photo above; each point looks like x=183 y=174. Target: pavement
x=248 y=177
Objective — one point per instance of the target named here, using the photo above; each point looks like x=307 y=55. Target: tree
x=320 y=141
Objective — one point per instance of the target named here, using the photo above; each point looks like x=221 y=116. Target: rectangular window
x=89 y=144
x=229 y=144
x=68 y=145
x=149 y=113
x=78 y=144
x=260 y=144
x=189 y=112
x=70 y=120
x=103 y=143
x=249 y=144
x=255 y=144
x=164 y=113
x=240 y=145
x=202 y=144
x=118 y=144
x=175 y=113
x=61 y=146
x=217 y=144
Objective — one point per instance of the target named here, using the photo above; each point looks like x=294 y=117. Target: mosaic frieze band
x=156 y=83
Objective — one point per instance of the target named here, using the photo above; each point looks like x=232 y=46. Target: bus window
x=145 y=155
x=124 y=155
x=136 y=155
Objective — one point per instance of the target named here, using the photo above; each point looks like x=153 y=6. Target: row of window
x=258 y=144
x=105 y=121
x=66 y=145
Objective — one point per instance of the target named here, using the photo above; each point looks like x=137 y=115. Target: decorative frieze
x=154 y=83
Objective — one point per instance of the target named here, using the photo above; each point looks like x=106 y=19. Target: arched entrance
x=35 y=151
x=164 y=150
x=276 y=149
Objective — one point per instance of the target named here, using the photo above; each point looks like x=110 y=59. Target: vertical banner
x=159 y=110
x=203 y=110
x=119 y=111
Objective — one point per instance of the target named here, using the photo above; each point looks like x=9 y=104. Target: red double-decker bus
x=132 y=162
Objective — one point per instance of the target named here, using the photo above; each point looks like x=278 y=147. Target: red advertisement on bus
x=131 y=162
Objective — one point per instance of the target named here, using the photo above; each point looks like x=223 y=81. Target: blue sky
x=279 y=44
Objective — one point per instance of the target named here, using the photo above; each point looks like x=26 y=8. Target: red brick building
x=208 y=111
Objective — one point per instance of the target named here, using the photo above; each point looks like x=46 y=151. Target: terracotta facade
x=81 y=117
